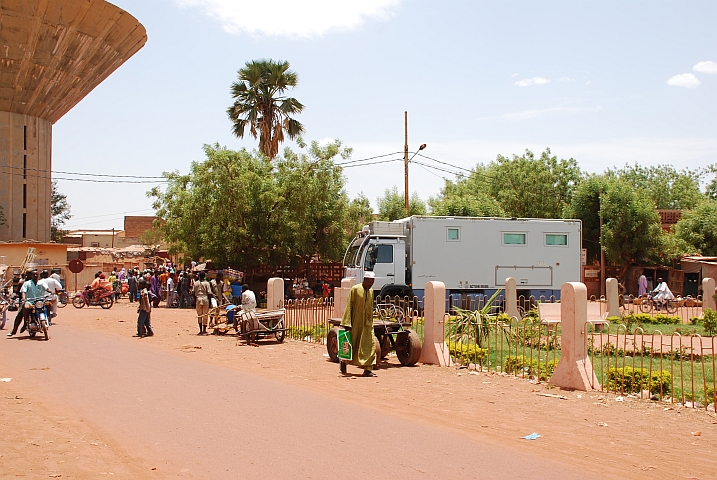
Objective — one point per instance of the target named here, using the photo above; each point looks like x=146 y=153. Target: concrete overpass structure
x=52 y=54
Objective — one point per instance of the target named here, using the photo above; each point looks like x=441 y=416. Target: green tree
x=467 y=197
x=238 y=208
x=529 y=187
x=698 y=229
x=392 y=205
x=631 y=226
x=261 y=104
x=60 y=213
x=358 y=214
x=667 y=187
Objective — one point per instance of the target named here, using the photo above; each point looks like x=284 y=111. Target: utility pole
x=405 y=160
x=602 y=254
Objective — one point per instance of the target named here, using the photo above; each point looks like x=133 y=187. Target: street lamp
x=406 y=160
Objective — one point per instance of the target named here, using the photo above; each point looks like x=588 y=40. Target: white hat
x=369 y=275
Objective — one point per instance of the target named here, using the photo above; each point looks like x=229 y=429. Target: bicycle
x=650 y=303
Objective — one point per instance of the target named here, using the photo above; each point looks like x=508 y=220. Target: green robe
x=359 y=316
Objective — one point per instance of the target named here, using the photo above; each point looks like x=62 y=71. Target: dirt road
x=93 y=402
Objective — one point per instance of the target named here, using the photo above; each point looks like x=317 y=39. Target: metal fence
x=307 y=319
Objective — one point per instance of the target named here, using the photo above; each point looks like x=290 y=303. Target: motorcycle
x=38 y=319
x=103 y=298
x=62 y=299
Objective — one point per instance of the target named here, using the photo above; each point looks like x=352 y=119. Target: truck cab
x=383 y=252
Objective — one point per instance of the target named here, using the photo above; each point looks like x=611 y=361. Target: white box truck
x=468 y=254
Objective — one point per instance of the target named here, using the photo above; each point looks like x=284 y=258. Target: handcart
x=390 y=333
x=252 y=325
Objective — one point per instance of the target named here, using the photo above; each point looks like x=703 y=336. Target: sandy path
x=226 y=410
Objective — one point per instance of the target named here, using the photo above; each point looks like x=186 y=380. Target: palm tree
x=260 y=103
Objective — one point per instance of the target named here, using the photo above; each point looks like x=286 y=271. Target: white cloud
x=706 y=67
x=526 y=82
x=687 y=80
x=566 y=79
x=292 y=18
x=528 y=114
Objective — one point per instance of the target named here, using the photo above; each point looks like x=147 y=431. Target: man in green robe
x=358 y=319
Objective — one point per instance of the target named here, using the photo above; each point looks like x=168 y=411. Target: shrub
x=520 y=364
x=466 y=353
x=695 y=320
x=709 y=322
x=633 y=380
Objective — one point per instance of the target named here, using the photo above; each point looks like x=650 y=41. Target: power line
x=444 y=163
x=78 y=173
x=45 y=177
x=114 y=214
x=366 y=159
x=375 y=163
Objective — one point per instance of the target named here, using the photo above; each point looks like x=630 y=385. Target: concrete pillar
x=341 y=296
x=574 y=370
x=434 y=350
x=611 y=295
x=511 y=298
x=275 y=293
x=708 y=289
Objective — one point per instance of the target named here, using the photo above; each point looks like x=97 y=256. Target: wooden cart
x=254 y=325
x=390 y=333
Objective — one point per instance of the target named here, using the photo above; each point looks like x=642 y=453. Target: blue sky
x=604 y=82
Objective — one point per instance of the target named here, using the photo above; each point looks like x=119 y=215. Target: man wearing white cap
x=358 y=319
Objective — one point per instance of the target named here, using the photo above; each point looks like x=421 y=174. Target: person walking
x=184 y=290
x=170 y=291
x=358 y=319
x=202 y=291
x=144 y=326
x=20 y=311
x=132 y=284
x=642 y=285
x=156 y=288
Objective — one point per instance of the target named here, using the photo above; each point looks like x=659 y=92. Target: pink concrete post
x=275 y=293
x=611 y=295
x=341 y=296
x=574 y=370
x=434 y=350
x=511 y=299
x=708 y=289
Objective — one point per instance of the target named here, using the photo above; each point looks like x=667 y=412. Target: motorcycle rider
x=53 y=287
x=31 y=290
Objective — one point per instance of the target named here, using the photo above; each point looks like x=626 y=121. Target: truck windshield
x=350 y=259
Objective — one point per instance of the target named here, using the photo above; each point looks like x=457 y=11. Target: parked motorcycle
x=38 y=319
x=103 y=298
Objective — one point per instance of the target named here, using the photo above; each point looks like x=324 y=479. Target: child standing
x=144 y=328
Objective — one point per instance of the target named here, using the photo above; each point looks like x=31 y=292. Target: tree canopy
x=60 y=213
x=239 y=208
x=261 y=104
x=697 y=229
x=392 y=205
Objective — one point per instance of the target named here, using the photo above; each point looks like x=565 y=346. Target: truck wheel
x=332 y=344
x=408 y=348
x=385 y=346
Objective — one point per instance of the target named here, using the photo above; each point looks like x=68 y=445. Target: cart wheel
x=408 y=348
x=280 y=335
x=385 y=346
x=332 y=344
x=378 y=348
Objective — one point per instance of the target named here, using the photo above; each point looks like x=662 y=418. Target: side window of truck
x=378 y=254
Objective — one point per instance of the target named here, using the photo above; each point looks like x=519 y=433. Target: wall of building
x=25 y=177
x=135 y=226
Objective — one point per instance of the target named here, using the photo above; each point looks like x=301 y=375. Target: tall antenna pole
x=405 y=160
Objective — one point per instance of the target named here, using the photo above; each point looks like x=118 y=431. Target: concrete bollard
x=574 y=370
x=612 y=297
x=434 y=350
x=708 y=289
x=341 y=296
x=275 y=293
x=511 y=298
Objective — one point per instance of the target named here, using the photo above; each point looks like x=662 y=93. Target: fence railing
x=308 y=319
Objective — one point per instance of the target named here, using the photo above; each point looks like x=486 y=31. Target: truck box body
x=469 y=254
